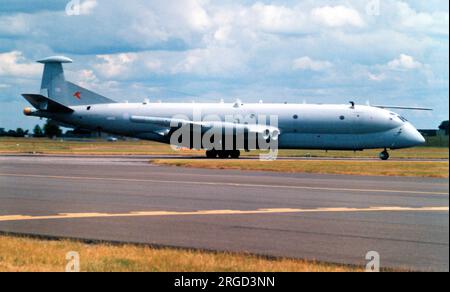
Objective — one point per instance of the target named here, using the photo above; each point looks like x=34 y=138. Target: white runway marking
x=224 y=184
x=219 y=212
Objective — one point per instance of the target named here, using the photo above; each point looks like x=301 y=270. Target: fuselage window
x=89 y=108
x=295 y=117
x=342 y=118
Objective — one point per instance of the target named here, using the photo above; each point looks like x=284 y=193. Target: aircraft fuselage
x=302 y=126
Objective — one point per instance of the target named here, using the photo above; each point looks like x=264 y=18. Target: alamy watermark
x=73 y=262
x=373 y=261
x=73 y=7
x=79 y=7
x=234 y=132
x=373 y=7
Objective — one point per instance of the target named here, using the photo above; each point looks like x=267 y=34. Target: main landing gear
x=223 y=154
x=384 y=155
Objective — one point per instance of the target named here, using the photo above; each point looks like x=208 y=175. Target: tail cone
x=28 y=111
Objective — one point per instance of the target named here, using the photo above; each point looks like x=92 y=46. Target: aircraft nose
x=412 y=137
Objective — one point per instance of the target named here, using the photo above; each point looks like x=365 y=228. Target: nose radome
x=421 y=138
x=413 y=137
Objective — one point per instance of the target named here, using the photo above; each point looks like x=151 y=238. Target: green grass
x=439 y=141
x=101 y=147
x=87 y=147
x=412 y=153
x=369 y=168
x=22 y=254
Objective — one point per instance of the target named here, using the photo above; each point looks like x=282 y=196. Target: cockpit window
x=402 y=119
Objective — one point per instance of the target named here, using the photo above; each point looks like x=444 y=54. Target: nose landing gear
x=384 y=155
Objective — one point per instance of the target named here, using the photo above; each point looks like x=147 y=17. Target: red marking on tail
x=77 y=95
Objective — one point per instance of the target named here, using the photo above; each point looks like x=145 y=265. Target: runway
x=150 y=157
x=317 y=217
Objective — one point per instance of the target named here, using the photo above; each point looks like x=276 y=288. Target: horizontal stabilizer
x=403 y=107
x=43 y=103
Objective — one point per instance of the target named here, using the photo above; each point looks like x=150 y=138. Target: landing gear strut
x=384 y=155
x=223 y=154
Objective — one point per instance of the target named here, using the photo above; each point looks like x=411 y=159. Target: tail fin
x=55 y=87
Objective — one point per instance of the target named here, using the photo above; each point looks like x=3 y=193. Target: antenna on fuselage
x=352 y=104
x=238 y=103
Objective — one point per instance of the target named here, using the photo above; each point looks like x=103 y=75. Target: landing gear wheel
x=224 y=154
x=235 y=154
x=384 y=155
x=211 y=154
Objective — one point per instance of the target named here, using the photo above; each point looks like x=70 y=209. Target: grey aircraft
x=298 y=126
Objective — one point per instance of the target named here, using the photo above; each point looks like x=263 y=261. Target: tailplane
x=43 y=103
x=55 y=87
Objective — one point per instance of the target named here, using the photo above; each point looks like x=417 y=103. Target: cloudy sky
x=378 y=51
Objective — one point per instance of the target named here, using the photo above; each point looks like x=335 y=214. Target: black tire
x=384 y=155
x=224 y=154
x=235 y=154
x=211 y=154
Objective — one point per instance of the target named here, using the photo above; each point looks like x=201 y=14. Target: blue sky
x=321 y=51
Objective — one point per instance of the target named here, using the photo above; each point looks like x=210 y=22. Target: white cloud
x=213 y=61
x=13 y=64
x=223 y=34
x=434 y=22
x=87 y=6
x=276 y=18
x=337 y=16
x=306 y=63
x=195 y=14
x=86 y=78
x=14 y=25
x=404 y=62
x=153 y=65
x=115 y=65
x=377 y=77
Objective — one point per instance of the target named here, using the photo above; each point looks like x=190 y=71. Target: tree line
x=49 y=130
x=444 y=127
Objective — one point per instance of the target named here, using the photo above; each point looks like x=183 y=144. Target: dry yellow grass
x=371 y=168
x=21 y=254
x=88 y=147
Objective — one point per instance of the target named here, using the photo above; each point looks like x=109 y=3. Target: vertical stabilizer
x=54 y=85
x=53 y=79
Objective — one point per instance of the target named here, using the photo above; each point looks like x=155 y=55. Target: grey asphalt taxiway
x=331 y=218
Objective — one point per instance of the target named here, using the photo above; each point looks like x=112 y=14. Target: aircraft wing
x=168 y=123
x=403 y=107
